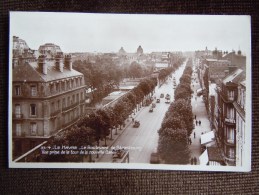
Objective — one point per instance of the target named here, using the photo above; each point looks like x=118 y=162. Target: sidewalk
x=198 y=109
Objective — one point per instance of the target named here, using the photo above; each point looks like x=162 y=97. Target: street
x=144 y=139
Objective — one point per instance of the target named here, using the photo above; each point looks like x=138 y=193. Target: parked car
x=136 y=124
x=158 y=101
x=153 y=105
x=162 y=95
x=151 y=109
x=154 y=158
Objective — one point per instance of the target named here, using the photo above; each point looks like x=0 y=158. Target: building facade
x=225 y=115
x=240 y=107
x=47 y=97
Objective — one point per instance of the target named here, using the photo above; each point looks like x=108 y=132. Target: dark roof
x=213 y=154
x=30 y=72
x=235 y=77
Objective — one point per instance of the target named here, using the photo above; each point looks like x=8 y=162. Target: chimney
x=68 y=62
x=58 y=61
x=42 y=64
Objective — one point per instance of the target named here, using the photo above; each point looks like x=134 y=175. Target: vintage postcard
x=130 y=91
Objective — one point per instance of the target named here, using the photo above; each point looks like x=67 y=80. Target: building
x=140 y=51
x=236 y=59
x=218 y=69
x=49 y=49
x=240 y=122
x=225 y=115
x=21 y=52
x=47 y=97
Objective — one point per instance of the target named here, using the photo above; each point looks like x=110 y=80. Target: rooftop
x=30 y=72
x=234 y=77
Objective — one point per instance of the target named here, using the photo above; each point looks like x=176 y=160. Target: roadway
x=144 y=139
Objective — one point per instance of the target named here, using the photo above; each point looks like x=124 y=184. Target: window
x=73 y=99
x=33 y=128
x=58 y=104
x=33 y=109
x=231 y=95
x=52 y=107
x=57 y=87
x=63 y=86
x=17 y=90
x=33 y=90
x=231 y=135
x=77 y=97
x=64 y=102
x=82 y=95
x=18 y=111
x=230 y=113
x=68 y=101
x=231 y=153
x=18 y=129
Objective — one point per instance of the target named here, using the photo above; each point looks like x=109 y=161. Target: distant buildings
x=48 y=96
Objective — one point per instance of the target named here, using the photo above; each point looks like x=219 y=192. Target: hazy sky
x=80 y=32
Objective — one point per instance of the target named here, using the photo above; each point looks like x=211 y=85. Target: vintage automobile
x=136 y=124
x=120 y=156
x=157 y=100
x=151 y=109
x=154 y=158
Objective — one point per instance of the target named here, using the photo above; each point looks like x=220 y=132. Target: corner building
x=47 y=97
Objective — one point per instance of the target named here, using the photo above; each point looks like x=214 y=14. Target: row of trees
x=104 y=74
x=98 y=125
x=164 y=73
x=177 y=124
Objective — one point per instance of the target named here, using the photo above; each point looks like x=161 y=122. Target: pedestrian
x=200 y=123
x=195 y=98
x=191 y=161
x=190 y=141
x=132 y=119
x=195 y=160
x=194 y=135
x=195 y=117
x=196 y=122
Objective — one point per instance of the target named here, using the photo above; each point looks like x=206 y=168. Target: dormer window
x=17 y=90
x=33 y=90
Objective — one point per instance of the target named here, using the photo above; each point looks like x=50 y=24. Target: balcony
x=230 y=121
x=55 y=113
x=70 y=107
x=229 y=142
x=18 y=116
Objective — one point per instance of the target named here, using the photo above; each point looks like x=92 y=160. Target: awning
x=204 y=158
x=208 y=138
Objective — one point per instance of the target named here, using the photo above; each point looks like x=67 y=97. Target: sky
x=84 y=32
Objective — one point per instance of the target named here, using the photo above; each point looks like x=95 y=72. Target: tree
x=184 y=109
x=135 y=70
x=172 y=120
x=173 y=146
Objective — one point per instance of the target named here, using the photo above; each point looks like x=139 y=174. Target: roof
x=243 y=83
x=234 y=77
x=206 y=138
x=204 y=158
x=31 y=72
x=161 y=65
x=216 y=60
x=213 y=154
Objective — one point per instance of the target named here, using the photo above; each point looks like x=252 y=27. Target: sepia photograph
x=130 y=91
